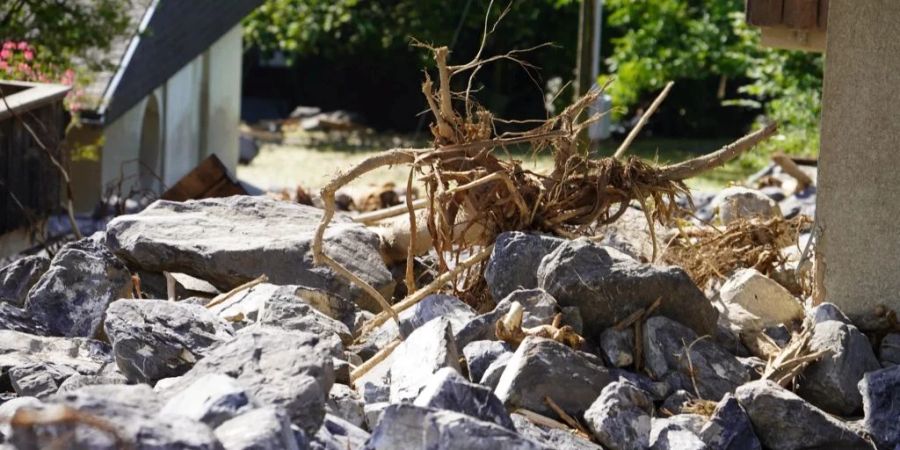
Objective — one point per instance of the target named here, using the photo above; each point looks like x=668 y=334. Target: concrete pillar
x=858 y=258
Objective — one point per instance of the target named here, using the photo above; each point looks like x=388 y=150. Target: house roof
x=165 y=36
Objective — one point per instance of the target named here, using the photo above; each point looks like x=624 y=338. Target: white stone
x=742 y=203
x=760 y=296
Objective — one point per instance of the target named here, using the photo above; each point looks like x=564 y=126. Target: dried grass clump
x=708 y=253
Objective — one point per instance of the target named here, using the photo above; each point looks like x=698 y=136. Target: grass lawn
x=311 y=160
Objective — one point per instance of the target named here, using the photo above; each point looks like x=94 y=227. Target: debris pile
x=502 y=309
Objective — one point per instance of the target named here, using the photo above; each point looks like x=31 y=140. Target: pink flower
x=69 y=73
x=25 y=68
x=4 y=65
x=5 y=54
x=29 y=55
x=23 y=45
x=9 y=45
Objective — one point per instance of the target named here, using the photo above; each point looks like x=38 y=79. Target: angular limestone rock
x=232 y=240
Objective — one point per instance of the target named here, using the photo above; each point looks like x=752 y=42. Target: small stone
x=715 y=371
x=545 y=368
x=427 y=350
x=373 y=413
x=881 y=402
x=406 y=426
x=260 y=429
x=38 y=379
x=248 y=303
x=618 y=346
x=620 y=417
x=737 y=202
x=481 y=354
x=232 y=240
x=17 y=278
x=493 y=373
x=433 y=306
x=730 y=428
x=828 y=311
x=211 y=399
x=72 y=296
x=448 y=390
x=889 y=352
x=539 y=308
x=608 y=286
x=345 y=403
x=76 y=381
x=155 y=339
x=831 y=381
x=761 y=296
x=668 y=434
x=289 y=313
x=675 y=403
x=289 y=369
x=552 y=438
x=784 y=421
x=338 y=434
x=522 y=251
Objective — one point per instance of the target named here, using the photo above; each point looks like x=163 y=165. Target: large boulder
x=291 y=370
x=607 y=286
x=17 y=278
x=338 y=434
x=831 y=381
x=232 y=240
x=155 y=339
x=413 y=427
x=17 y=319
x=523 y=253
x=674 y=351
x=130 y=410
x=620 y=417
x=784 y=421
x=881 y=402
x=761 y=296
x=212 y=399
x=290 y=313
x=545 y=368
x=82 y=356
x=71 y=297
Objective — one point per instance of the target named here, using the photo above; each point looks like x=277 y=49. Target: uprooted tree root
x=708 y=253
x=472 y=194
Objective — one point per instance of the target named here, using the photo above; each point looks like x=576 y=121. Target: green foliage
x=65 y=31
x=664 y=40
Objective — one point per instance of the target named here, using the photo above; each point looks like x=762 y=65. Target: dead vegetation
x=472 y=192
x=709 y=253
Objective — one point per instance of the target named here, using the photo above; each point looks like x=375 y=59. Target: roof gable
x=169 y=36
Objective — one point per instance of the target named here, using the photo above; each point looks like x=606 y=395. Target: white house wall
x=121 y=146
x=182 y=121
x=224 y=98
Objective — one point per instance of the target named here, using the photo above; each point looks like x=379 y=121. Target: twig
x=27 y=418
x=425 y=291
x=790 y=167
x=225 y=296
x=382 y=354
x=687 y=352
x=541 y=420
x=696 y=166
x=386 y=213
x=411 y=251
x=170 y=287
x=569 y=420
x=643 y=121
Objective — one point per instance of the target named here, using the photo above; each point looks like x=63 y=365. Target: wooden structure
x=30 y=184
x=209 y=179
x=790 y=24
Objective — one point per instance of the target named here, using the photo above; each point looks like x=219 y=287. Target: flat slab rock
x=84 y=356
x=229 y=241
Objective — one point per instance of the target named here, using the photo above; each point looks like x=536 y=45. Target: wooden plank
x=801 y=14
x=791 y=39
x=823 y=15
x=209 y=179
x=764 y=13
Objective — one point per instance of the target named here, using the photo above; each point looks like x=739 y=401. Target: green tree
x=62 y=31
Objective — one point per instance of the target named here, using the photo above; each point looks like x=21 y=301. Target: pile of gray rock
x=115 y=342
